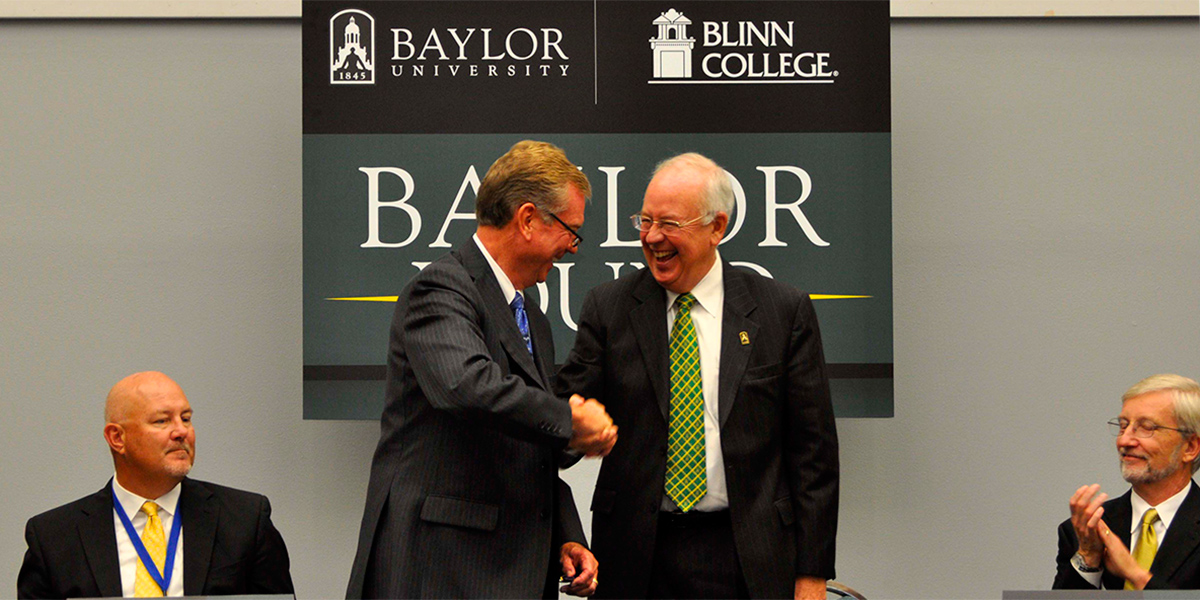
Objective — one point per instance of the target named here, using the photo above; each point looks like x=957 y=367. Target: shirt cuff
x=1092 y=578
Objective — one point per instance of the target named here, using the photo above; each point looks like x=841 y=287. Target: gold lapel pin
x=745 y=337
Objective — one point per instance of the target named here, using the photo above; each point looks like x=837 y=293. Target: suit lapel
x=736 y=330
x=199 y=533
x=649 y=322
x=498 y=311
x=543 y=342
x=98 y=536
x=1181 y=539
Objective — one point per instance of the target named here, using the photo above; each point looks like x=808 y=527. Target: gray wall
x=1046 y=252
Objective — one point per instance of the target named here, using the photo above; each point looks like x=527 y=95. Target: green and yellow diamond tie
x=144 y=585
x=1147 y=544
x=686 y=483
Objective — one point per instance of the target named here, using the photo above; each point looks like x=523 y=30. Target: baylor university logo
x=352 y=48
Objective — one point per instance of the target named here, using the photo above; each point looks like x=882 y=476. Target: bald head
x=134 y=391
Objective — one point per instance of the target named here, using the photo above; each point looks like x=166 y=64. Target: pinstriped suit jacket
x=777 y=429
x=464 y=498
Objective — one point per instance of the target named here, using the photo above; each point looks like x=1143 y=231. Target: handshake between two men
x=592 y=431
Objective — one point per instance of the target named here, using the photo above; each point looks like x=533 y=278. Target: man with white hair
x=724 y=482
x=1159 y=518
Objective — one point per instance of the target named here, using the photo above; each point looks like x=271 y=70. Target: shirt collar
x=1166 y=509
x=132 y=503
x=506 y=286
x=707 y=291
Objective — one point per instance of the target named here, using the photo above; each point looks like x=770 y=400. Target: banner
x=406 y=105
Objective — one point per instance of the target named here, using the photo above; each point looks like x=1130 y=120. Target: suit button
x=542 y=514
x=653 y=509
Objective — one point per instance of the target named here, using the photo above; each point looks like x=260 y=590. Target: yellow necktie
x=1147 y=544
x=144 y=585
x=686 y=478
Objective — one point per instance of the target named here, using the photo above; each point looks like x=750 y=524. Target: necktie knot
x=150 y=508
x=685 y=302
x=1150 y=517
x=518 y=303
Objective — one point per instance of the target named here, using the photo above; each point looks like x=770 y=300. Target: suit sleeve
x=1067 y=578
x=33 y=580
x=272 y=571
x=583 y=373
x=811 y=447
x=567 y=526
x=456 y=371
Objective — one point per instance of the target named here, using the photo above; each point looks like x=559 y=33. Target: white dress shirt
x=706 y=317
x=506 y=286
x=131 y=503
x=1166 y=513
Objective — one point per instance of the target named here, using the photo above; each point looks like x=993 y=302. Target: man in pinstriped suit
x=464 y=498
x=763 y=521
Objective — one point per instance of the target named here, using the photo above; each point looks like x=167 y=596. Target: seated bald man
x=151 y=531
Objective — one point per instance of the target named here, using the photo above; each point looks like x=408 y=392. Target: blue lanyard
x=164 y=580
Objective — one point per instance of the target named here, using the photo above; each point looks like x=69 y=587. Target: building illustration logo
x=732 y=51
x=672 y=47
x=352 y=48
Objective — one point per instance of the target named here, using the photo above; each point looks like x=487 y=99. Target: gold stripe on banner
x=394 y=298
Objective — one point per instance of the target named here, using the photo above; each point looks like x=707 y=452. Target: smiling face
x=150 y=433
x=549 y=241
x=1148 y=461
x=680 y=260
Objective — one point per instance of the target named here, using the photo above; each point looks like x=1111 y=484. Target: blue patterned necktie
x=518 y=308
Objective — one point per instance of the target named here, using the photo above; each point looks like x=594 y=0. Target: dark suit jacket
x=1176 y=564
x=777 y=429
x=230 y=547
x=464 y=498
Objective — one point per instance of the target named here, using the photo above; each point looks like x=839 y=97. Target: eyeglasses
x=578 y=238
x=1141 y=429
x=645 y=224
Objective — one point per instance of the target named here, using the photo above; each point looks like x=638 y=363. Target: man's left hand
x=580 y=567
x=810 y=588
x=1118 y=560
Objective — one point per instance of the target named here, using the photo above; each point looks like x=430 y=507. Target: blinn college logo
x=733 y=52
x=672 y=47
x=352 y=48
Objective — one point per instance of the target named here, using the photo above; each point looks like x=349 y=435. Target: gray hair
x=1186 y=400
x=718 y=193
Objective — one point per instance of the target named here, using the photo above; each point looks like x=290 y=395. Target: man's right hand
x=592 y=430
x=1086 y=510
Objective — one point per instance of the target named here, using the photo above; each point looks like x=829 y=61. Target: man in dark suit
x=1159 y=517
x=724 y=483
x=464 y=498
x=225 y=545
